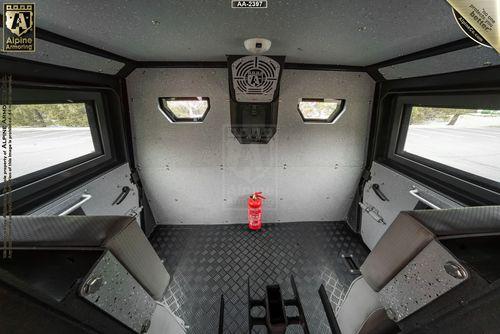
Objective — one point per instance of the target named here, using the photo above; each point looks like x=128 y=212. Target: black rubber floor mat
x=206 y=261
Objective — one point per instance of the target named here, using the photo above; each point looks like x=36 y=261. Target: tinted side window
x=60 y=137
x=48 y=134
x=448 y=140
x=465 y=139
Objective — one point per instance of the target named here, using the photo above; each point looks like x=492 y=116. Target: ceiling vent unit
x=254 y=92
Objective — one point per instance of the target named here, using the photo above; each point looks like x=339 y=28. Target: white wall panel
x=396 y=187
x=104 y=189
x=200 y=174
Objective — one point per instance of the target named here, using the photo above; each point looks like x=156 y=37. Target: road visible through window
x=44 y=135
x=465 y=139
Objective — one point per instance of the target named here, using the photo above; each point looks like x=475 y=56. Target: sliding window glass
x=464 y=139
x=45 y=135
x=58 y=135
x=452 y=138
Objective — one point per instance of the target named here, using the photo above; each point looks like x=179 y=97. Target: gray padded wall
x=200 y=174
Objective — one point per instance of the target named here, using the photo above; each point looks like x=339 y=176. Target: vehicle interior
x=175 y=167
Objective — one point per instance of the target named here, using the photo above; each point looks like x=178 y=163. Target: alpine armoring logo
x=19 y=27
x=255 y=78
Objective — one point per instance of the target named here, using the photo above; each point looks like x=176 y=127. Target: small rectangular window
x=45 y=135
x=466 y=139
x=184 y=109
x=320 y=110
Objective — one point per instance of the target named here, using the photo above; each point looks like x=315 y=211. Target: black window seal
x=480 y=189
x=170 y=115
x=336 y=114
x=105 y=154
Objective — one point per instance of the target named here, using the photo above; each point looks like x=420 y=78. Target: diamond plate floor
x=209 y=260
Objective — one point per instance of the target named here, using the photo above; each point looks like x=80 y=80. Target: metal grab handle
x=414 y=193
x=379 y=193
x=84 y=198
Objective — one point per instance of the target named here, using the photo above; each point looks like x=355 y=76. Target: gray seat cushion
x=120 y=234
x=135 y=252
x=402 y=241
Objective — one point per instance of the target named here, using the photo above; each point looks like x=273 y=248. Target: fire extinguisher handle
x=258 y=195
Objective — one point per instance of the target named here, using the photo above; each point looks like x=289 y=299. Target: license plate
x=249 y=4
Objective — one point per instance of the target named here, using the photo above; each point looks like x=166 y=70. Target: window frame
x=170 y=115
x=450 y=176
x=332 y=119
x=95 y=104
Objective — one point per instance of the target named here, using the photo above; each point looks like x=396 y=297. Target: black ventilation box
x=254 y=94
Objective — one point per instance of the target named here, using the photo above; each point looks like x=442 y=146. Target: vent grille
x=255 y=78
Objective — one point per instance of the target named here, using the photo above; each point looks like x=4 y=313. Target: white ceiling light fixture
x=257 y=45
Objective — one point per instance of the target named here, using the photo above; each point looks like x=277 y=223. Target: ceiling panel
x=460 y=60
x=56 y=54
x=356 y=32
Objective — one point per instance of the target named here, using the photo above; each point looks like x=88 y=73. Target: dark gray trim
x=223 y=64
x=126 y=70
x=375 y=74
x=324 y=67
x=43 y=68
x=374 y=126
x=73 y=44
x=430 y=52
x=181 y=64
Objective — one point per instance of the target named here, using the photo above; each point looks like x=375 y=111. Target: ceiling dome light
x=257 y=45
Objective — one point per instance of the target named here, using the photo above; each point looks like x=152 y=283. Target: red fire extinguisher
x=255 y=211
